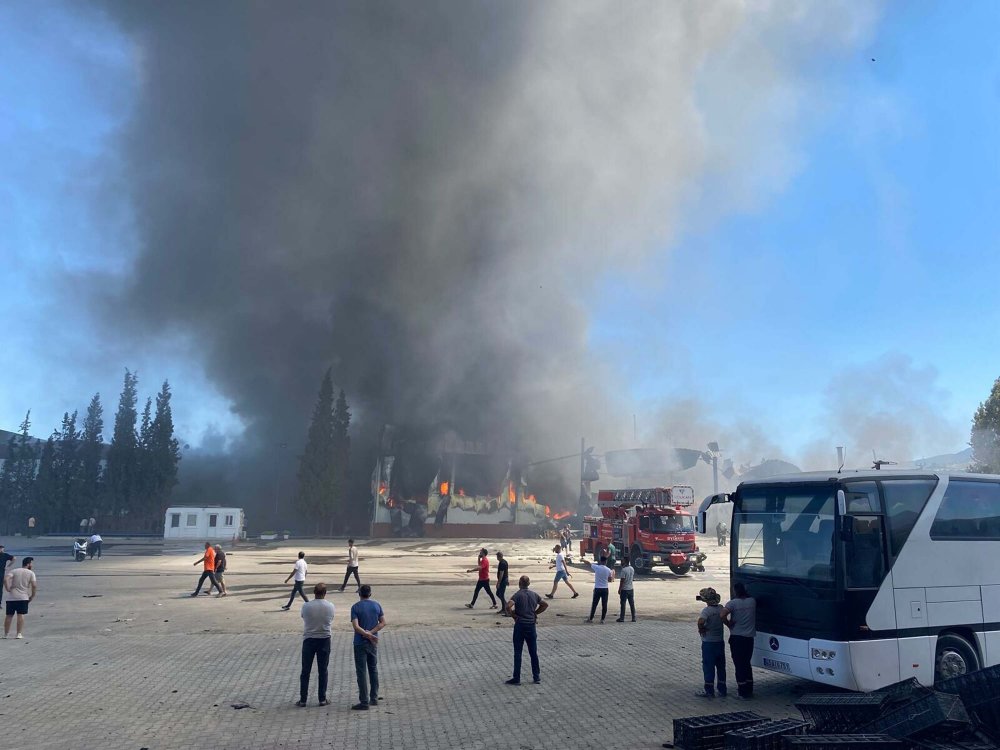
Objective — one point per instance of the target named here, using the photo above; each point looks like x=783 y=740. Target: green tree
x=46 y=489
x=91 y=454
x=123 y=456
x=65 y=510
x=162 y=455
x=985 y=438
x=341 y=460
x=18 y=477
x=317 y=476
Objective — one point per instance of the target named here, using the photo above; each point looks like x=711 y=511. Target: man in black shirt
x=5 y=558
x=502 y=581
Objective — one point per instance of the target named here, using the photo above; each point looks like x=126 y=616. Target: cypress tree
x=65 y=502
x=19 y=476
x=48 y=514
x=91 y=450
x=316 y=475
x=341 y=460
x=123 y=454
x=163 y=453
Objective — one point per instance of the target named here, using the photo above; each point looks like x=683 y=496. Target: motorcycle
x=80 y=550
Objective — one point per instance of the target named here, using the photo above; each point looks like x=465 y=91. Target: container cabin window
x=192 y=519
x=175 y=520
x=213 y=520
x=229 y=520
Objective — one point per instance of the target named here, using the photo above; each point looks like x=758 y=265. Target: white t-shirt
x=20 y=581
x=96 y=538
x=300 y=570
x=601 y=575
x=560 y=562
x=352 y=557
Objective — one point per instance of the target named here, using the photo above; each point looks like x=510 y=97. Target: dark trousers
x=94 y=548
x=483 y=586
x=351 y=569
x=320 y=649
x=741 y=649
x=210 y=575
x=713 y=664
x=297 y=589
x=600 y=595
x=366 y=667
x=525 y=633
x=626 y=596
x=501 y=590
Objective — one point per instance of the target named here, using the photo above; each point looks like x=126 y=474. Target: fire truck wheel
x=638 y=561
x=680 y=570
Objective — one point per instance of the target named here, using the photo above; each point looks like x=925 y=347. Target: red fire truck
x=651 y=525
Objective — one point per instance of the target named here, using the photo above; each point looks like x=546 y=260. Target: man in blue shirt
x=367 y=620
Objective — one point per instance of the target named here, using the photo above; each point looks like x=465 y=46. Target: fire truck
x=651 y=525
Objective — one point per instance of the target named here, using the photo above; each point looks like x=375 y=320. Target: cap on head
x=710 y=596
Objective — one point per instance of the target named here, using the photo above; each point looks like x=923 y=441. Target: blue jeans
x=366 y=669
x=525 y=633
x=713 y=664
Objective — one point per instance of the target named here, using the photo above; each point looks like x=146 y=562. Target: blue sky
x=866 y=282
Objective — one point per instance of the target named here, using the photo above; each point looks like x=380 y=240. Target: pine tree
x=316 y=486
x=163 y=453
x=6 y=485
x=65 y=509
x=19 y=476
x=145 y=470
x=985 y=438
x=341 y=460
x=123 y=454
x=46 y=489
x=91 y=450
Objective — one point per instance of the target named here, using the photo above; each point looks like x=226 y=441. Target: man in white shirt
x=602 y=576
x=21 y=587
x=625 y=579
x=94 y=546
x=299 y=574
x=561 y=573
x=352 y=564
x=317 y=621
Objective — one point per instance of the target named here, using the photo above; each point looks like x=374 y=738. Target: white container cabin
x=212 y=522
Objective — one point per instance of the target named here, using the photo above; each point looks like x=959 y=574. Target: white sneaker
x=19 y=636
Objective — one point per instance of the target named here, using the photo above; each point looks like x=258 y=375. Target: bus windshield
x=785 y=531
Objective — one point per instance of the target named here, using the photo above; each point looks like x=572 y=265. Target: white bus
x=863 y=579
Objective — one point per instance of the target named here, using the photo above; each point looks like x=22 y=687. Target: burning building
x=441 y=485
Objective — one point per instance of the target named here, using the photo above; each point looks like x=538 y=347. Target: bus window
x=864 y=558
x=862 y=497
x=969 y=510
x=904 y=501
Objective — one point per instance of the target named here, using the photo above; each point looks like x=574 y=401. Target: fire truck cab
x=651 y=525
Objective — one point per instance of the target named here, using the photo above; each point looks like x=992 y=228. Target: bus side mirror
x=842 y=503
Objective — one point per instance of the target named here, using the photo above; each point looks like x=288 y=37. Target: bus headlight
x=823 y=655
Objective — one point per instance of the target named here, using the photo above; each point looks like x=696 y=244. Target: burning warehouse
x=444 y=486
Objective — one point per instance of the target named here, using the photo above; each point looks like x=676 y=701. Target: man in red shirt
x=484 y=579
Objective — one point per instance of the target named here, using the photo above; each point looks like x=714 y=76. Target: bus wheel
x=954 y=657
x=680 y=570
x=638 y=561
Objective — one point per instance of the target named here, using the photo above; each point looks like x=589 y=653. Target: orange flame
x=511 y=495
x=548 y=510
x=560 y=516
x=444 y=488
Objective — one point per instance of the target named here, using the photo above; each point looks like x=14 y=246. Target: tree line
x=72 y=475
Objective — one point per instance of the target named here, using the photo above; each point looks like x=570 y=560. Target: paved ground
x=117 y=655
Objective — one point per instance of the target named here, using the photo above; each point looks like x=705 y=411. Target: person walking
x=5 y=558
x=740 y=616
x=626 y=576
x=561 y=574
x=367 y=619
x=299 y=573
x=94 y=545
x=502 y=581
x=220 y=570
x=208 y=572
x=317 y=622
x=713 y=648
x=21 y=586
x=722 y=531
x=524 y=607
x=603 y=575
x=483 y=584
x=352 y=564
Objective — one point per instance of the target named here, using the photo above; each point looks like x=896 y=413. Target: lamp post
x=712 y=457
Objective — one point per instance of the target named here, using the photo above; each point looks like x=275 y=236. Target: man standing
x=602 y=576
x=317 y=619
x=299 y=574
x=484 y=579
x=83 y=527
x=612 y=554
x=721 y=531
x=209 y=570
x=502 y=581
x=626 y=577
x=713 y=648
x=21 y=586
x=740 y=616
x=31 y=526
x=524 y=607
x=5 y=557
x=367 y=619
x=352 y=564
x=94 y=546
x=220 y=569
x=561 y=574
